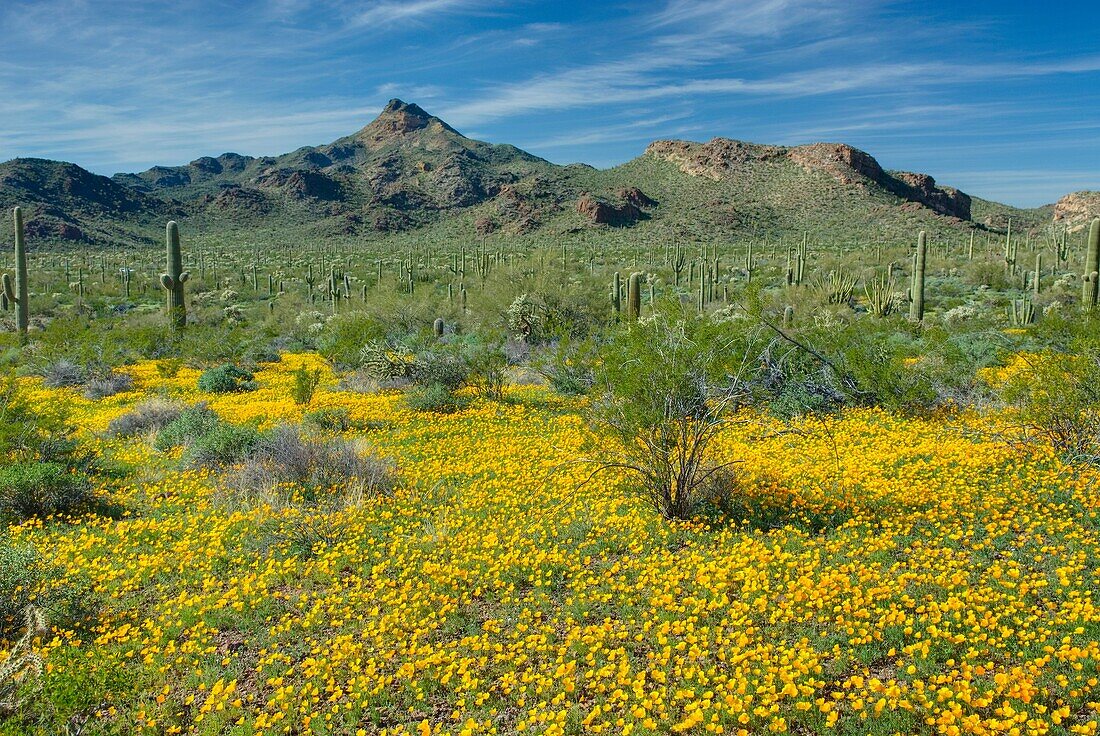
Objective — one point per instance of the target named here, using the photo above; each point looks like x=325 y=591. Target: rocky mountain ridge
x=408 y=168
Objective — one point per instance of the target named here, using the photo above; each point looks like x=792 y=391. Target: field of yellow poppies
x=896 y=576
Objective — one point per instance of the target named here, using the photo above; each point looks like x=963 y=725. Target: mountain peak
x=399 y=119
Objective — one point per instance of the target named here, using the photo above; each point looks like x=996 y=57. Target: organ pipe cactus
x=880 y=294
x=1022 y=312
x=916 y=290
x=19 y=294
x=1092 y=265
x=173 y=281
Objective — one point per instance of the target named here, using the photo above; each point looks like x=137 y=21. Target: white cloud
x=388 y=12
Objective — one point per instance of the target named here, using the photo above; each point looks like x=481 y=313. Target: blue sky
x=1001 y=99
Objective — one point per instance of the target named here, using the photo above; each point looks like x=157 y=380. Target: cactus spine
x=1092 y=265
x=173 y=281
x=916 y=290
x=19 y=295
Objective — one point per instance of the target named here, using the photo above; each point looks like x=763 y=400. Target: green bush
x=434 y=397
x=224 y=444
x=210 y=442
x=486 y=366
x=439 y=368
x=226 y=379
x=305 y=384
x=569 y=366
x=1056 y=398
x=26 y=578
x=30 y=489
x=192 y=423
x=343 y=337
x=329 y=419
x=667 y=386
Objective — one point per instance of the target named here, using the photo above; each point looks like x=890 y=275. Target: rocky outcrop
x=922 y=189
x=600 y=212
x=723 y=158
x=235 y=200
x=635 y=196
x=1077 y=209
x=301 y=184
x=845 y=164
x=714 y=160
x=45 y=228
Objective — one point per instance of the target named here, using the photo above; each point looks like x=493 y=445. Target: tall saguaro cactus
x=19 y=295
x=916 y=290
x=616 y=294
x=1092 y=265
x=173 y=281
x=634 y=297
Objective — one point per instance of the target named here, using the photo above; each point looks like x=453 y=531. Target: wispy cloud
x=751 y=17
x=388 y=12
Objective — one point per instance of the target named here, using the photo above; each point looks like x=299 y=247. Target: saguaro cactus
x=616 y=294
x=916 y=290
x=173 y=281
x=1089 y=279
x=19 y=295
x=634 y=297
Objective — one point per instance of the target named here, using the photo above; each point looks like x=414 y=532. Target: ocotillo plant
x=1089 y=279
x=1035 y=277
x=174 y=280
x=20 y=294
x=633 y=297
x=916 y=290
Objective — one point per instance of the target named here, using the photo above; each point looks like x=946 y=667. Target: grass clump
x=287 y=466
x=147 y=417
x=108 y=385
